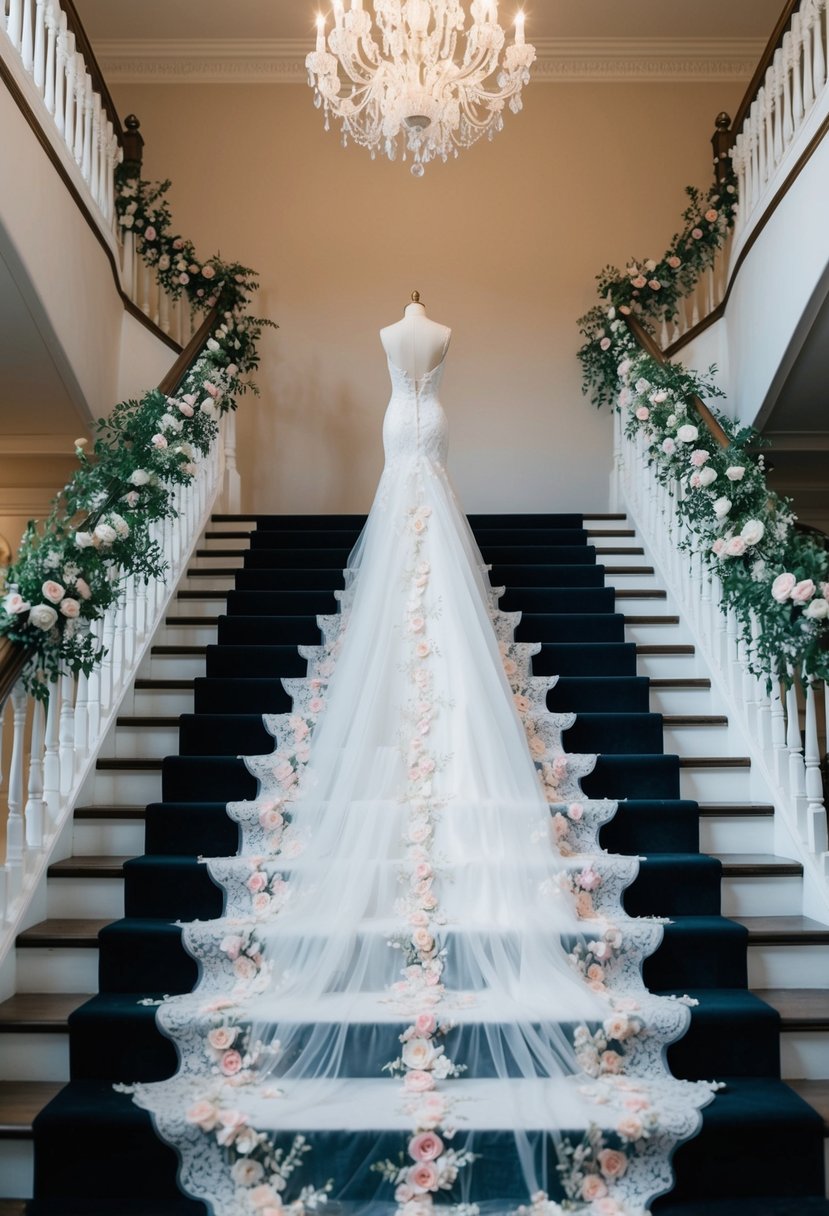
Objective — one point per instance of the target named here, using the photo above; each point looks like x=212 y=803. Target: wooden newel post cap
x=132 y=142
x=721 y=142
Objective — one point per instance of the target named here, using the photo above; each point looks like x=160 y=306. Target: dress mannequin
x=415 y=344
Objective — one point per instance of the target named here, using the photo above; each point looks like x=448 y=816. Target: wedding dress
x=423 y=994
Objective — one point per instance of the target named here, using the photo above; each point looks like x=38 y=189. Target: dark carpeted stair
x=760 y=1149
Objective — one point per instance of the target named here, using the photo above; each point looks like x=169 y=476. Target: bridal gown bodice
x=415 y=423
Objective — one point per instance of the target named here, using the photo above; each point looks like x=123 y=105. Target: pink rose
x=417 y=624
x=782 y=587
x=423 y=941
x=52 y=591
x=264 y=1197
x=611 y=1062
x=604 y=1207
x=595 y=972
x=699 y=457
x=696 y=233
x=204 y=1114
x=639 y=281
x=425 y=1147
x=183 y=279
x=423 y=649
x=668 y=446
x=158 y=442
x=417 y=1081
x=257 y=882
x=150 y=233
x=643 y=413
x=694 y=481
x=629 y=1128
x=223 y=1037
x=674 y=262
x=589 y=879
x=803 y=591
x=654 y=284
x=70 y=609
x=735 y=546
x=423 y=1177
x=612 y=1163
x=212 y=390
x=425 y=1023
x=423 y=870
x=584 y=906
x=244 y=968
x=404 y=1193
x=605 y=344
x=711 y=215
x=261 y=902
x=208 y=272
x=593 y=1188
x=230 y=1063
x=624 y=310
x=718 y=546
x=186 y=409
x=271 y=819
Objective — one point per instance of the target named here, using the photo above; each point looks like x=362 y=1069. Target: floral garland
x=71 y=568
x=775 y=578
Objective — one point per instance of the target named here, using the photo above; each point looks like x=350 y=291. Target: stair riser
x=17 y=1168
x=150 y=702
x=615 y=575
x=125 y=789
x=25 y=1056
x=213 y=606
x=107 y=838
x=805 y=1054
x=667 y=666
x=187 y=635
x=85 y=897
x=781 y=896
x=225 y=542
x=729 y=834
x=787 y=966
x=68 y=969
x=652 y=635
x=698 y=741
x=204 y=582
x=209 y=563
x=173 y=667
x=714 y=784
x=681 y=701
x=129 y=742
x=643 y=606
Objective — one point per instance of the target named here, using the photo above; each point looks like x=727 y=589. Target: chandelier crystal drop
x=416 y=78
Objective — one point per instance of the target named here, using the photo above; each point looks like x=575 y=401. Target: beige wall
x=503 y=244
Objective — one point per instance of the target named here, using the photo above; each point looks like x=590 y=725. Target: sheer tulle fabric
x=400 y=863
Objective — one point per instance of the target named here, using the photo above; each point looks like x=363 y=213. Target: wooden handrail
x=652 y=348
x=763 y=66
x=178 y=371
x=13 y=655
x=82 y=44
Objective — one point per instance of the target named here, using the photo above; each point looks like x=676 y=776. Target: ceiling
x=577 y=19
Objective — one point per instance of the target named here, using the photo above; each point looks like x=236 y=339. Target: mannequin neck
x=414 y=310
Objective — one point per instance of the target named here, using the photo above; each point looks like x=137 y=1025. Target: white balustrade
x=35 y=35
x=54 y=747
x=776 y=715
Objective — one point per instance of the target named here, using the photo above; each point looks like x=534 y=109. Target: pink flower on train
x=606 y=1206
x=419 y=1055
x=423 y=941
x=263 y=1197
x=271 y=818
x=611 y=1061
x=244 y=968
x=425 y=1023
x=204 y=1114
x=423 y=1177
x=423 y=649
x=222 y=1037
x=575 y=810
x=418 y=1082
x=425 y=1147
x=643 y=413
x=630 y=1128
x=612 y=1163
x=231 y=946
x=593 y=1188
x=537 y=747
x=261 y=902
x=417 y=624
x=257 y=882
x=584 y=905
x=316 y=705
x=589 y=879
x=595 y=972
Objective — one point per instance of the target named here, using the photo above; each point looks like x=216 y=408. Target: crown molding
x=282 y=60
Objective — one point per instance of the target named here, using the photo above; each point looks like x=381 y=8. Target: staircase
x=737 y=941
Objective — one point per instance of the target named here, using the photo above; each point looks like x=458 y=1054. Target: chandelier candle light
x=402 y=79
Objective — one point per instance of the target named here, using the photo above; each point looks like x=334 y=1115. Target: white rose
x=105 y=534
x=688 y=433
x=14 y=604
x=83 y=540
x=43 y=616
x=736 y=472
x=208 y=407
x=212 y=344
x=245 y=1172
x=139 y=477
x=671 y=420
x=119 y=524
x=721 y=507
x=818 y=610
x=707 y=476
x=753 y=531
x=418 y=1054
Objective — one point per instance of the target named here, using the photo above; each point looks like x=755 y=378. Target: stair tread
x=195 y=621
x=750 y=864
x=783 y=930
x=671 y=682
x=715 y=762
x=172 y=650
x=799 y=1008
x=651 y=620
x=816 y=1093
x=110 y=812
x=39 y=1011
x=147 y=720
x=13 y=1207
x=145 y=684
x=143 y=764
x=644 y=593
x=676 y=648
x=694 y=720
x=63 y=932
x=735 y=808
x=20 y=1102
x=99 y=866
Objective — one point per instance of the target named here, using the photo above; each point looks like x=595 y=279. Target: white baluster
x=27 y=50
x=818 y=54
x=66 y=735
x=94 y=697
x=118 y=649
x=794 y=744
x=15 y=834
x=81 y=720
x=762 y=167
x=39 y=64
x=70 y=67
x=788 y=123
x=816 y=833
x=50 y=19
x=60 y=73
x=129 y=624
x=34 y=802
x=95 y=151
x=232 y=489
x=779 y=83
x=51 y=758
x=795 y=51
x=107 y=629
x=778 y=732
x=80 y=96
x=14 y=23
x=87 y=148
x=807 y=26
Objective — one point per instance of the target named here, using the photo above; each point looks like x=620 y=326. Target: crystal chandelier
x=415 y=77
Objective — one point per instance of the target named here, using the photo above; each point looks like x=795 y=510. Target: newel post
x=132 y=143
x=722 y=141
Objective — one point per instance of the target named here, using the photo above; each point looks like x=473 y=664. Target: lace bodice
x=415 y=424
